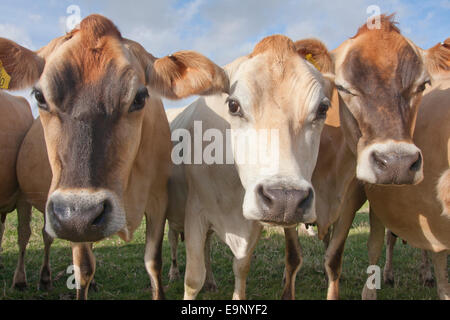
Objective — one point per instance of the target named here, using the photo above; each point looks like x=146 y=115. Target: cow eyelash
x=342 y=89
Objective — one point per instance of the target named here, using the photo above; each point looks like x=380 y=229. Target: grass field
x=121 y=273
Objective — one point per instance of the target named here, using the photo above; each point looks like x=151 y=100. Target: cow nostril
x=379 y=160
x=417 y=164
x=102 y=210
x=59 y=209
x=267 y=200
x=306 y=201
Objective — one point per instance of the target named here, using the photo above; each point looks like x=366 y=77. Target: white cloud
x=225 y=30
x=16 y=34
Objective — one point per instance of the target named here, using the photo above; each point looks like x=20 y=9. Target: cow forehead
x=377 y=58
x=73 y=67
x=91 y=60
x=265 y=81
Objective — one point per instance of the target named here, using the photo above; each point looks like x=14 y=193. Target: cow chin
x=83 y=215
x=279 y=203
x=390 y=163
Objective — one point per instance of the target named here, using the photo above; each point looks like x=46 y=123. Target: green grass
x=121 y=273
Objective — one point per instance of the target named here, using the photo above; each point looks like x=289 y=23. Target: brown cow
x=368 y=135
x=15 y=120
x=414 y=212
x=34 y=176
x=106 y=134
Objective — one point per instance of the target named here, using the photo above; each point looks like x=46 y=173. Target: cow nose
x=284 y=206
x=78 y=218
x=395 y=168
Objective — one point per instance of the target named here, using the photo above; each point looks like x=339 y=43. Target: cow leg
x=441 y=273
x=425 y=270
x=327 y=238
x=24 y=233
x=388 y=273
x=353 y=200
x=196 y=231
x=210 y=283
x=156 y=221
x=84 y=263
x=2 y=230
x=242 y=248
x=375 y=247
x=333 y=254
x=174 y=272
x=293 y=262
x=45 y=278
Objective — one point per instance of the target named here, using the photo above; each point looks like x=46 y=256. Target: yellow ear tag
x=5 y=78
x=311 y=60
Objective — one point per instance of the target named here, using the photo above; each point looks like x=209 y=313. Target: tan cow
x=413 y=212
x=272 y=88
x=443 y=191
x=15 y=121
x=106 y=134
x=379 y=77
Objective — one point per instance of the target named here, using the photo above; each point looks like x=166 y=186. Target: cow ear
x=19 y=66
x=316 y=53
x=186 y=73
x=437 y=59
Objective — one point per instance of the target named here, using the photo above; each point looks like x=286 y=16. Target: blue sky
x=220 y=29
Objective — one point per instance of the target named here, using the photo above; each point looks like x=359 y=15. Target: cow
x=106 y=134
x=15 y=121
x=234 y=199
x=35 y=176
x=379 y=79
x=414 y=213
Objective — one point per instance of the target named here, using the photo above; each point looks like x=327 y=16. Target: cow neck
x=335 y=169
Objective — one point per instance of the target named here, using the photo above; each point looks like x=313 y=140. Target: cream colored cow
x=272 y=88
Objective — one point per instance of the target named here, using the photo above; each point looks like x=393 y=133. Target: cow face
x=95 y=91
x=277 y=108
x=380 y=76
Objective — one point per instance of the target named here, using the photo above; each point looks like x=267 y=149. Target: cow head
x=95 y=91
x=380 y=76
x=278 y=102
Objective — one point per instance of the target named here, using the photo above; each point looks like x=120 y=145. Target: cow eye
x=39 y=96
x=342 y=89
x=423 y=86
x=322 y=109
x=234 y=107
x=139 y=100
